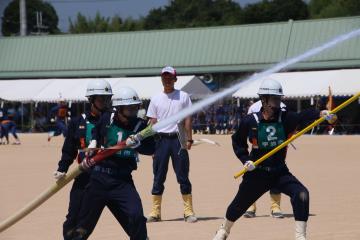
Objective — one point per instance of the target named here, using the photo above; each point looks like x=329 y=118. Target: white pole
x=22 y=18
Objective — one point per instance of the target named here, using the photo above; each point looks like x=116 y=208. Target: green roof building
x=225 y=49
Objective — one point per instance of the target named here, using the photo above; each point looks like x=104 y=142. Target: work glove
x=58 y=175
x=90 y=153
x=87 y=163
x=249 y=165
x=52 y=120
x=330 y=117
x=92 y=144
x=133 y=141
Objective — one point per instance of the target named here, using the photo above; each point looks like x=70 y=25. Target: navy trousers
x=275 y=191
x=122 y=199
x=258 y=182
x=76 y=200
x=60 y=128
x=167 y=147
x=7 y=128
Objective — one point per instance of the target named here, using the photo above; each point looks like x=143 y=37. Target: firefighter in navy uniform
x=111 y=182
x=79 y=135
x=266 y=130
x=59 y=116
x=8 y=125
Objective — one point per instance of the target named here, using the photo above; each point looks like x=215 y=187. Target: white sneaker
x=190 y=219
x=153 y=219
x=221 y=234
x=50 y=135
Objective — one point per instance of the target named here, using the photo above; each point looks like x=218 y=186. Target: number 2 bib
x=270 y=135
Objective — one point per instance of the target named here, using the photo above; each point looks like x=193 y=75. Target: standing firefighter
x=58 y=115
x=275 y=195
x=173 y=141
x=111 y=182
x=265 y=130
x=79 y=135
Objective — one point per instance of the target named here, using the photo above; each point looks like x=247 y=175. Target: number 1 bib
x=116 y=134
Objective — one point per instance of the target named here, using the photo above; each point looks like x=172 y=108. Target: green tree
x=130 y=24
x=99 y=23
x=11 y=17
x=115 y=24
x=80 y=25
x=102 y=24
x=88 y=25
x=275 y=11
x=333 y=8
x=185 y=13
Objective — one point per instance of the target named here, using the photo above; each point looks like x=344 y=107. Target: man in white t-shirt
x=173 y=141
x=275 y=195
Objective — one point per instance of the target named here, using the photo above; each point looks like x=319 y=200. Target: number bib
x=270 y=135
x=116 y=134
x=89 y=128
x=62 y=112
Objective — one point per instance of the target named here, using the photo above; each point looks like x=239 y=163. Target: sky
x=124 y=8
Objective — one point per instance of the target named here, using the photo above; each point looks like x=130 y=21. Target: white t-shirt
x=165 y=105
x=255 y=107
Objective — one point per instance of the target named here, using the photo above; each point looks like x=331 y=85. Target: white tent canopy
x=309 y=84
x=51 y=90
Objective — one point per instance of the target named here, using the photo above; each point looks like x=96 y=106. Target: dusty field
x=328 y=165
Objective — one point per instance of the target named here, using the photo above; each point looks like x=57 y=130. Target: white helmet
x=98 y=87
x=270 y=87
x=125 y=96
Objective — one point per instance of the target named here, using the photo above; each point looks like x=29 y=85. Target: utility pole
x=39 y=25
x=22 y=17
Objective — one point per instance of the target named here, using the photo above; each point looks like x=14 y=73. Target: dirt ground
x=328 y=165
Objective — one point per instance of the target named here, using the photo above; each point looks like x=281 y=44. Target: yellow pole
x=40 y=199
x=295 y=136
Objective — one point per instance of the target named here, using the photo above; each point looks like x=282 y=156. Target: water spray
x=227 y=92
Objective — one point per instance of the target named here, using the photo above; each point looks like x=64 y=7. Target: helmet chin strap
x=123 y=117
x=100 y=110
x=92 y=101
x=274 y=111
